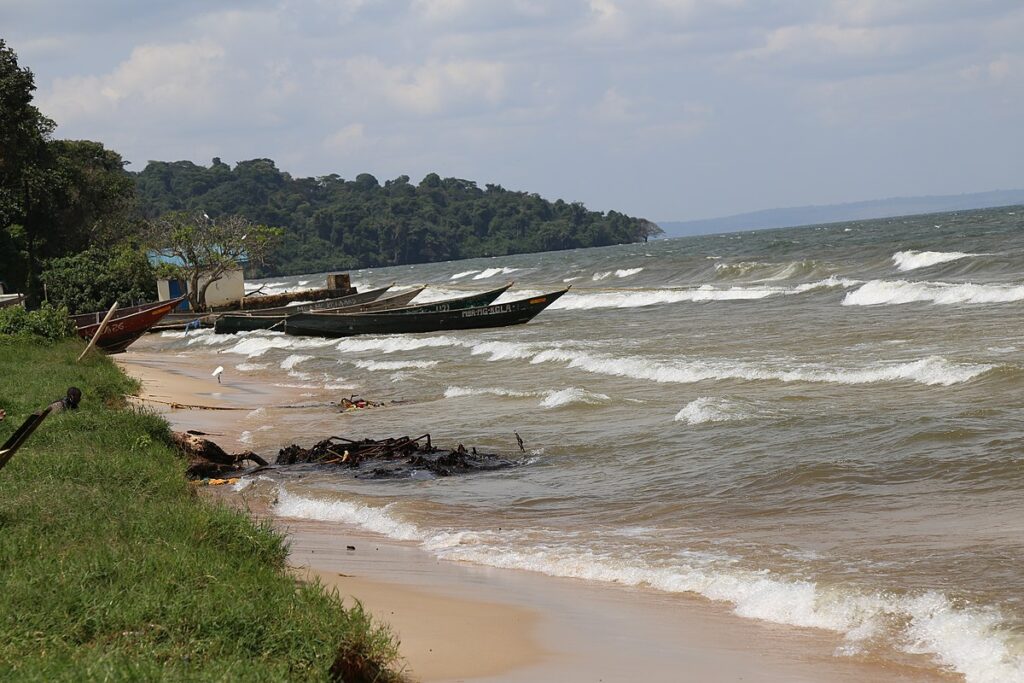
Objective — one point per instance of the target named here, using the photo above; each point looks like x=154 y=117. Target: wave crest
x=888 y=292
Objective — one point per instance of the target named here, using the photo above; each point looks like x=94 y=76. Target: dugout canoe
x=267 y=318
x=230 y=323
x=389 y=322
x=127 y=325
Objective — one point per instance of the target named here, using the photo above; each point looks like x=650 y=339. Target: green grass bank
x=112 y=568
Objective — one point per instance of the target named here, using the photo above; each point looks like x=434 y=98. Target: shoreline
x=458 y=621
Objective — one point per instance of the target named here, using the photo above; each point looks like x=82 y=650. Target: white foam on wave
x=257 y=344
x=393 y=365
x=250 y=367
x=620 y=273
x=709 y=409
x=971 y=640
x=831 y=282
x=491 y=272
x=395 y=344
x=912 y=260
x=459 y=276
x=456 y=392
x=504 y=350
x=636 y=298
x=883 y=292
x=933 y=370
x=564 y=397
x=374 y=519
x=291 y=361
x=552 y=398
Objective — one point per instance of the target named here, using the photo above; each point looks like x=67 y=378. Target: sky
x=665 y=109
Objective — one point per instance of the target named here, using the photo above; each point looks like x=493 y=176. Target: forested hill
x=331 y=223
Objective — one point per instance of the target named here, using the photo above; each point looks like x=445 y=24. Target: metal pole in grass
x=99 y=330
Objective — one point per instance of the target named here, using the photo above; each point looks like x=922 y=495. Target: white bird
x=205 y=216
x=217 y=372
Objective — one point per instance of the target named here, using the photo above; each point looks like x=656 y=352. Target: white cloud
x=348 y=139
x=177 y=78
x=429 y=88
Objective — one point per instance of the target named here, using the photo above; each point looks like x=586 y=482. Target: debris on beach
x=390 y=458
x=207 y=460
x=353 y=402
x=393 y=457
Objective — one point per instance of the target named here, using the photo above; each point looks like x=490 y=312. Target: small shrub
x=48 y=322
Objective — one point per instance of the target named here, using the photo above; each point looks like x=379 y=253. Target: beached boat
x=390 y=322
x=127 y=325
x=456 y=303
x=230 y=323
x=11 y=300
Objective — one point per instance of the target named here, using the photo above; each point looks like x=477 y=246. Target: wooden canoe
x=127 y=325
x=230 y=323
x=389 y=322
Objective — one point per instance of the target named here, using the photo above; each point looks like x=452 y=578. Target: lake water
x=820 y=426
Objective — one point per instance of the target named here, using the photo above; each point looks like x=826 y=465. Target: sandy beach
x=459 y=622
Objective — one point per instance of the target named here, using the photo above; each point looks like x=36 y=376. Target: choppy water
x=820 y=426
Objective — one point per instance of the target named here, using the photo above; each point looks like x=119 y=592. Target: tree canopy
x=57 y=197
x=333 y=223
x=202 y=249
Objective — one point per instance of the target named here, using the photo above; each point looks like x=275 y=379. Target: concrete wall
x=229 y=289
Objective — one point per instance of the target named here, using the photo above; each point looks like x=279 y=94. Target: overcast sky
x=666 y=109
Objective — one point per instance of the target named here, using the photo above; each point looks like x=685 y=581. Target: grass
x=111 y=568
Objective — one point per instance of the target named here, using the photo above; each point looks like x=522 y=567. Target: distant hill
x=833 y=213
x=330 y=223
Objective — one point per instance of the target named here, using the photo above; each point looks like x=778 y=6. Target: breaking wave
x=932 y=370
x=707 y=409
x=881 y=292
x=621 y=273
x=564 y=397
x=912 y=260
x=455 y=392
x=583 y=299
x=256 y=345
x=394 y=344
x=972 y=640
x=395 y=364
x=554 y=398
x=491 y=272
x=459 y=276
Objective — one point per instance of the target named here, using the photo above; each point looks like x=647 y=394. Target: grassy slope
x=111 y=568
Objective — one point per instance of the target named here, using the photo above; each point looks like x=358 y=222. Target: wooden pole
x=99 y=330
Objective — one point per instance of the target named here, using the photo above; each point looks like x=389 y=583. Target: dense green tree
x=94 y=279
x=331 y=223
x=57 y=197
x=202 y=250
x=24 y=133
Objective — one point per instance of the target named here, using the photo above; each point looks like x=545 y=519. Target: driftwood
x=207 y=459
x=392 y=458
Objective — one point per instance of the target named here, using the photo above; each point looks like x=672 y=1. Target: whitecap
x=395 y=344
x=564 y=397
x=708 y=409
x=933 y=370
x=386 y=365
x=911 y=260
x=491 y=272
x=888 y=292
x=291 y=361
x=463 y=274
x=626 y=272
x=456 y=392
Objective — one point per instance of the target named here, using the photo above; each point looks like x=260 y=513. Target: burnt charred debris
x=391 y=458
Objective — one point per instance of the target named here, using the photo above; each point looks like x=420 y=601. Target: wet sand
x=461 y=622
